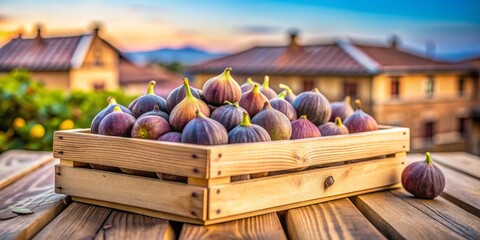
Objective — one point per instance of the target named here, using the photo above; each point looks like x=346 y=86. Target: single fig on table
x=108 y=109
x=247 y=85
x=284 y=106
x=204 y=131
x=266 y=90
x=275 y=122
x=423 y=179
x=246 y=132
x=117 y=123
x=184 y=112
x=252 y=101
x=222 y=88
x=229 y=115
x=171 y=137
x=341 y=109
x=150 y=127
x=331 y=129
x=290 y=94
x=156 y=112
x=314 y=105
x=360 y=121
x=303 y=128
x=146 y=102
x=177 y=95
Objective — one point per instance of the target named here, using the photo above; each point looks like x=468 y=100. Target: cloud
x=258 y=29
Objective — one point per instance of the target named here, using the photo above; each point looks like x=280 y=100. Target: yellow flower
x=66 y=124
x=18 y=123
x=37 y=131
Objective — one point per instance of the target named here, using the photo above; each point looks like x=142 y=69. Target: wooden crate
x=298 y=169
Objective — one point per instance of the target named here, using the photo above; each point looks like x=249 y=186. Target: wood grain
x=397 y=219
x=338 y=219
x=78 y=221
x=154 y=194
x=242 y=197
x=122 y=225
x=33 y=191
x=260 y=227
x=15 y=164
x=460 y=161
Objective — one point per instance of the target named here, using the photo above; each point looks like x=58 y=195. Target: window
x=350 y=89
x=395 y=87
x=462 y=126
x=99 y=86
x=428 y=132
x=97 y=58
x=308 y=84
x=461 y=86
x=430 y=86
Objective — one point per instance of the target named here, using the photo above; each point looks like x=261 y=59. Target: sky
x=229 y=26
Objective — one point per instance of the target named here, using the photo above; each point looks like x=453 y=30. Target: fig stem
x=282 y=95
x=249 y=81
x=156 y=108
x=235 y=104
x=338 y=121
x=266 y=82
x=111 y=100
x=358 y=104
x=266 y=105
x=228 y=75
x=303 y=117
x=151 y=84
x=283 y=86
x=255 y=89
x=188 y=91
x=316 y=90
x=245 y=120
x=428 y=158
x=348 y=99
x=117 y=109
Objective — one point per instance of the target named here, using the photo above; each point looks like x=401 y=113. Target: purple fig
x=303 y=128
x=184 y=112
x=229 y=115
x=275 y=122
x=150 y=127
x=341 y=109
x=330 y=128
x=247 y=85
x=117 y=123
x=171 y=137
x=156 y=112
x=204 y=131
x=99 y=117
x=247 y=132
x=266 y=90
x=359 y=121
x=423 y=179
x=146 y=102
x=252 y=101
x=284 y=106
x=177 y=95
x=314 y=105
x=290 y=94
x=222 y=88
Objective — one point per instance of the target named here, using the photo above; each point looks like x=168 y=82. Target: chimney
x=430 y=49
x=20 y=33
x=96 y=28
x=394 y=41
x=39 y=38
x=293 y=45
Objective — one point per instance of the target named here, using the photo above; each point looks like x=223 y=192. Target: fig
x=170 y=137
x=266 y=90
x=108 y=109
x=423 y=179
x=177 y=95
x=222 y=88
x=150 y=127
x=284 y=106
x=290 y=95
x=184 y=112
x=229 y=115
x=247 y=132
x=247 y=85
x=314 y=105
x=117 y=123
x=303 y=128
x=341 y=109
x=156 y=112
x=359 y=121
x=330 y=128
x=204 y=131
x=252 y=101
x=146 y=102
x=275 y=122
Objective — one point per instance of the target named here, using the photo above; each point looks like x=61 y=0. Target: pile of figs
x=224 y=112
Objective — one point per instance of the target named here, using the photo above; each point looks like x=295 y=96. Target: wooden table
x=27 y=180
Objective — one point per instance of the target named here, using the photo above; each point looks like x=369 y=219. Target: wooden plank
x=241 y=197
x=78 y=221
x=129 y=153
x=460 y=161
x=266 y=226
x=397 y=219
x=239 y=159
x=338 y=219
x=15 y=164
x=33 y=191
x=170 y=197
x=122 y=225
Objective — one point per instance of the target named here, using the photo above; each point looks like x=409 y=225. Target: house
x=81 y=62
x=397 y=87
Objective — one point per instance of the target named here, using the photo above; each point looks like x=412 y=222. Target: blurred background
x=412 y=63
